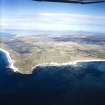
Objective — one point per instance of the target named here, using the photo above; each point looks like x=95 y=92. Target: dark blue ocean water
x=82 y=84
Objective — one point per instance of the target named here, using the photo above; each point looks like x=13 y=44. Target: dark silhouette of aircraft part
x=74 y=1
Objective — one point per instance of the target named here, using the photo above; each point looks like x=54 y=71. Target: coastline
x=73 y=63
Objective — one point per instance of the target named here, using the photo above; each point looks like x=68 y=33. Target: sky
x=33 y=15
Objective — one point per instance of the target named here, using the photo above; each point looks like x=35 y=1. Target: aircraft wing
x=74 y=1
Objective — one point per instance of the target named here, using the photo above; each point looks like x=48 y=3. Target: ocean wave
x=70 y=63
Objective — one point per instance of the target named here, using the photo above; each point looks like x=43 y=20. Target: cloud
x=56 y=21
